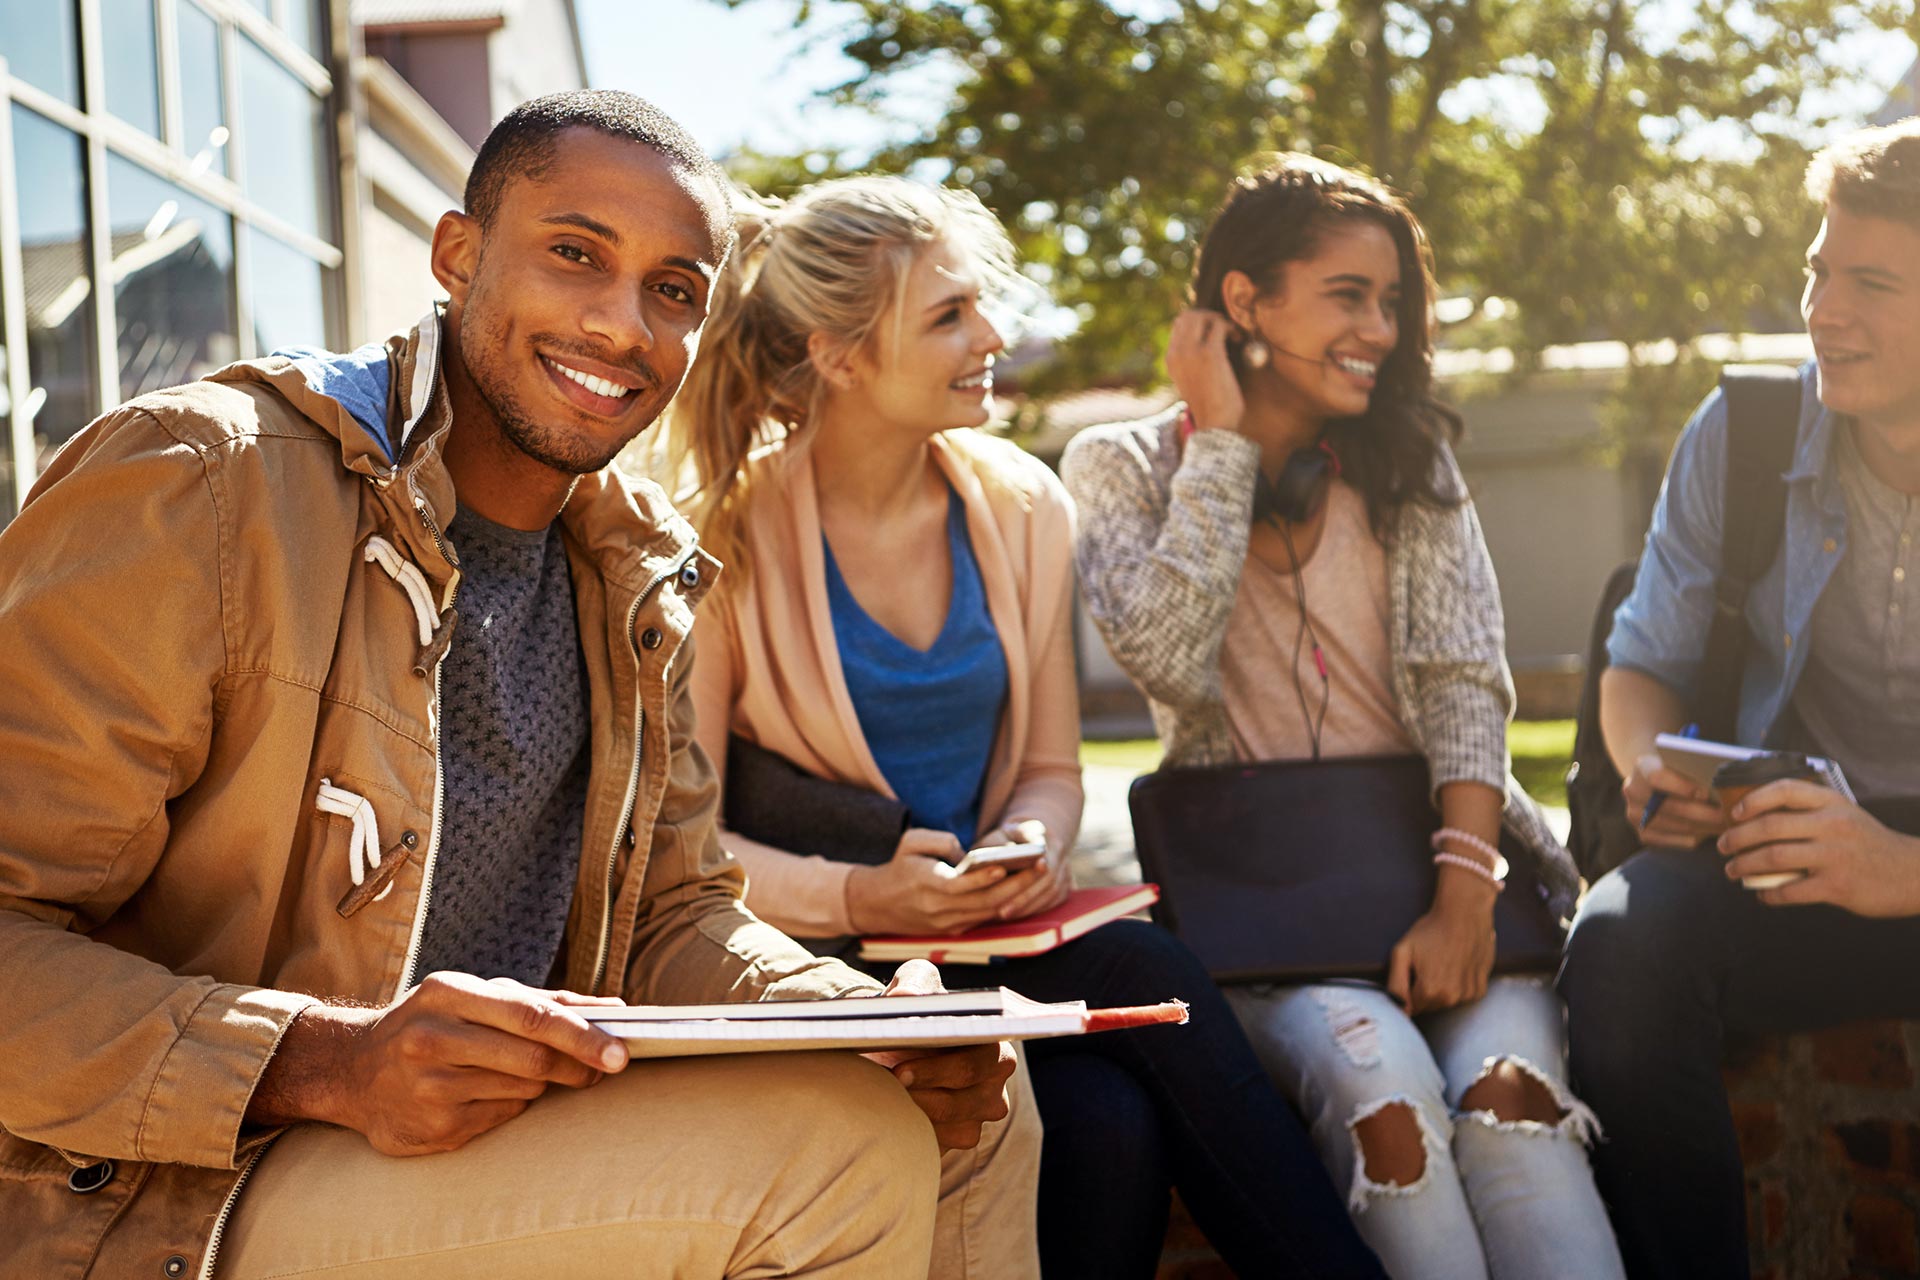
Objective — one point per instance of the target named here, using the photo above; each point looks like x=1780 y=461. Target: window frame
x=102 y=134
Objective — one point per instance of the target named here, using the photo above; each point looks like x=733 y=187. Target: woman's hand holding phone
x=1197 y=362
x=1046 y=884
x=916 y=892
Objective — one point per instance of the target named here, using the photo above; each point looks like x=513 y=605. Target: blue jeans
x=1130 y=1113
x=1512 y=1199
x=1667 y=959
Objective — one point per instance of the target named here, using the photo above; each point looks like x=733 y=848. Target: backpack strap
x=1763 y=420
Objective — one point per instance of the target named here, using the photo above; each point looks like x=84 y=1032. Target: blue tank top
x=929 y=717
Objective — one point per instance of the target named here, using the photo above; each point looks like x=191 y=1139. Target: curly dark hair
x=1279 y=215
x=521 y=146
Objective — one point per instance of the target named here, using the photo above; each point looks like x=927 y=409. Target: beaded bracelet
x=1470 y=864
x=1495 y=864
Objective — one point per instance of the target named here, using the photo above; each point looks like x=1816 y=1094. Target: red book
x=1084 y=911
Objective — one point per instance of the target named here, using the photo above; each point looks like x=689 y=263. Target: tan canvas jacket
x=194 y=633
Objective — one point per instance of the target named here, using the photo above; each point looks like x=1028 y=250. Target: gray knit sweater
x=1161 y=542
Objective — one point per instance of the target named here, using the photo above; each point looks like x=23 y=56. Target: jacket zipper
x=426 y=873
x=226 y=1210
x=439 y=774
x=633 y=777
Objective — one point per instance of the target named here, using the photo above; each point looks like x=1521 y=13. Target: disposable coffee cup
x=1734 y=779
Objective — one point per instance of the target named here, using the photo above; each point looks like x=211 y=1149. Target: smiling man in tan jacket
x=332 y=681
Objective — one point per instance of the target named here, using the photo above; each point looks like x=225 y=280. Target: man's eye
x=572 y=253
x=678 y=292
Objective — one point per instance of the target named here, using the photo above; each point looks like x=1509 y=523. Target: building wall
x=451 y=70
x=534 y=54
x=1558 y=516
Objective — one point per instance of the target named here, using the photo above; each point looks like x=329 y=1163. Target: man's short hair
x=1872 y=172
x=522 y=144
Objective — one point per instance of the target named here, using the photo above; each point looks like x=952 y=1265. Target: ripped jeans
x=1507 y=1199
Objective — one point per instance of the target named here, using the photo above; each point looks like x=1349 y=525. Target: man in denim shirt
x=1669 y=953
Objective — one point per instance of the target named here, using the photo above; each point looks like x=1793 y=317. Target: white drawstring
x=365 y=846
x=408 y=575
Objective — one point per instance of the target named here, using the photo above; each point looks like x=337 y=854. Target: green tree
x=1618 y=168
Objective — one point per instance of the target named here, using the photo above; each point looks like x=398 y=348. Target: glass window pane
x=303 y=24
x=132 y=62
x=282 y=139
x=289 y=295
x=203 y=111
x=55 y=263
x=41 y=43
x=173 y=280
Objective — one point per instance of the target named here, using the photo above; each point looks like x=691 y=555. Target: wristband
x=1469 y=864
x=1492 y=862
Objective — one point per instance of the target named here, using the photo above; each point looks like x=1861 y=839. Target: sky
x=736 y=77
x=746 y=77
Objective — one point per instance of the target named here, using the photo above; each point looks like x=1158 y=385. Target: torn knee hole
x=1510 y=1092
x=1392 y=1148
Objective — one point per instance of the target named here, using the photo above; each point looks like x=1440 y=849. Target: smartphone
x=1014 y=857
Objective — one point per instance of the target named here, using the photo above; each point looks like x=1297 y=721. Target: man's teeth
x=1358 y=368
x=599 y=386
x=984 y=378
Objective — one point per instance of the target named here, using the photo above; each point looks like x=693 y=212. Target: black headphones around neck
x=1296 y=494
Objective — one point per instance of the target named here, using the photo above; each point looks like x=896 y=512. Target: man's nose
x=619 y=317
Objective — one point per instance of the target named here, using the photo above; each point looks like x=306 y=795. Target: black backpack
x=1763 y=418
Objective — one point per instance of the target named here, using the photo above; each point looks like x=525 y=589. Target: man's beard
x=576 y=454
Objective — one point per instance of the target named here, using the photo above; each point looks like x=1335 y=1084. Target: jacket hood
x=359 y=381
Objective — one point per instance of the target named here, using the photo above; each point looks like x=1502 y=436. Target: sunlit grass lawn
x=1541 y=751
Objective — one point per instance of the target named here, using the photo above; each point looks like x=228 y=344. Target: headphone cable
x=1306 y=630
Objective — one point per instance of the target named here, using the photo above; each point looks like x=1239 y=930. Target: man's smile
x=591 y=385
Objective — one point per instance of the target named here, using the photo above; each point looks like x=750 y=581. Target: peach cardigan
x=769 y=667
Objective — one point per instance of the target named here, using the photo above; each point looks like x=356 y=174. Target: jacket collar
x=625 y=527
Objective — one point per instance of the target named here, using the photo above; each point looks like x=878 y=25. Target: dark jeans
x=1667 y=959
x=1130 y=1113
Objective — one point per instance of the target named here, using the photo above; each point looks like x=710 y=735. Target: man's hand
x=1850 y=859
x=916 y=892
x=1446 y=958
x=452 y=1058
x=958 y=1089
x=1687 y=816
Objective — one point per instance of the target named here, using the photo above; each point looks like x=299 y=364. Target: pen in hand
x=1654 y=800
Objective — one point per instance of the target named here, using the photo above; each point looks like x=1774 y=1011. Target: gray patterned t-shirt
x=513 y=714
x=1855 y=700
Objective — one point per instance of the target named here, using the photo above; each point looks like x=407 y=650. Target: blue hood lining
x=358 y=381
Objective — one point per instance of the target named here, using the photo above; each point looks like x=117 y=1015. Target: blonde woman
x=896 y=618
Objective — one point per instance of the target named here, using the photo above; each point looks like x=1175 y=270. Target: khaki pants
x=812 y=1164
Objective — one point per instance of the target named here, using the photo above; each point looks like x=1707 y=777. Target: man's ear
x=833 y=360
x=456 y=253
x=1237 y=295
